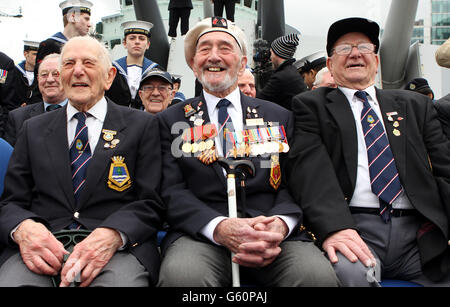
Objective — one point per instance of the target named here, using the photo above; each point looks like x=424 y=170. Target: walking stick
x=233 y=167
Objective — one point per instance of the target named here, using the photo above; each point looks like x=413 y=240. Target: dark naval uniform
x=6 y=89
x=119 y=92
x=24 y=93
x=51 y=45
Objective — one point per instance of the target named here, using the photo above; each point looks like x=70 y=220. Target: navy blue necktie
x=52 y=107
x=384 y=178
x=225 y=123
x=80 y=154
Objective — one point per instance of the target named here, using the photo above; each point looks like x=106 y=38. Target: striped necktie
x=225 y=123
x=80 y=154
x=384 y=178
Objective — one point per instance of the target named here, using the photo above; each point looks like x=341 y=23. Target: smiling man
x=92 y=170
x=266 y=237
x=156 y=90
x=53 y=97
x=246 y=83
x=132 y=67
x=370 y=168
x=77 y=22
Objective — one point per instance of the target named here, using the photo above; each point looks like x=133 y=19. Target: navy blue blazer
x=196 y=193
x=38 y=183
x=324 y=157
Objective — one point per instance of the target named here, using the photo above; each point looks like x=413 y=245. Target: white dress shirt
x=363 y=195
x=235 y=112
x=93 y=122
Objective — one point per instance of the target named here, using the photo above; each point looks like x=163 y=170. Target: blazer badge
x=119 y=177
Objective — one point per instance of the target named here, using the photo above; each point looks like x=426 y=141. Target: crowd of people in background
x=352 y=182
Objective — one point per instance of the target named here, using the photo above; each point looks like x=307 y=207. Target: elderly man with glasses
x=156 y=91
x=53 y=97
x=90 y=168
x=379 y=198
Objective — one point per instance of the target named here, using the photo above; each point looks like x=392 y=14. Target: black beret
x=353 y=24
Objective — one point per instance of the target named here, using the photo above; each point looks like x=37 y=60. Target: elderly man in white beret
x=266 y=237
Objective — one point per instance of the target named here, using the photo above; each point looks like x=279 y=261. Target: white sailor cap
x=137 y=27
x=30 y=45
x=83 y=6
x=311 y=61
x=212 y=24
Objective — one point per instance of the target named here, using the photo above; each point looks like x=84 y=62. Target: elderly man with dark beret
x=379 y=197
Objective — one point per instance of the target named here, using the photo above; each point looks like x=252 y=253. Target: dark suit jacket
x=443 y=109
x=38 y=182
x=283 y=84
x=17 y=117
x=195 y=193
x=324 y=164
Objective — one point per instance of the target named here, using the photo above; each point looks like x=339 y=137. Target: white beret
x=212 y=24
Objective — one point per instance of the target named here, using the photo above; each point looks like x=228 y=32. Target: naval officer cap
x=30 y=45
x=354 y=24
x=82 y=6
x=212 y=24
x=176 y=78
x=419 y=85
x=157 y=73
x=312 y=61
x=137 y=27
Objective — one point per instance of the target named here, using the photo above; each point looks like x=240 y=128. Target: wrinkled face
x=356 y=70
x=49 y=81
x=136 y=44
x=327 y=80
x=156 y=95
x=82 y=23
x=246 y=84
x=84 y=73
x=217 y=63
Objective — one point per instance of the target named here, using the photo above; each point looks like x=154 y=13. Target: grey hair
x=104 y=57
x=319 y=76
x=48 y=57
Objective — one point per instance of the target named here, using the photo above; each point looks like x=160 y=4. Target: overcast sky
x=43 y=18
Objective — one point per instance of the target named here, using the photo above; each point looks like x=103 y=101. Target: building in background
x=440 y=21
x=434 y=29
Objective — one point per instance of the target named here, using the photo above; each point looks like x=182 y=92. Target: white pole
x=232 y=213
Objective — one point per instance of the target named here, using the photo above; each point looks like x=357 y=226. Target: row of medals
x=207 y=150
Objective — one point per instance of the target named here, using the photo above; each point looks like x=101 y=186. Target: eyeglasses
x=346 y=49
x=45 y=74
x=151 y=88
